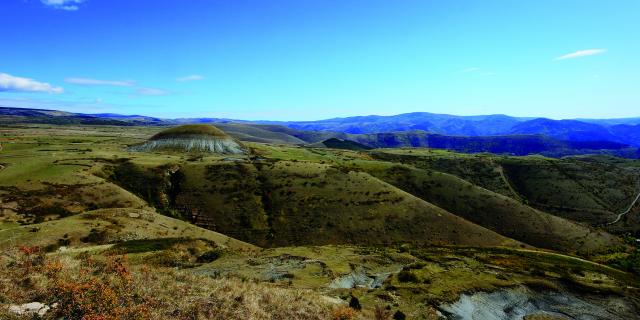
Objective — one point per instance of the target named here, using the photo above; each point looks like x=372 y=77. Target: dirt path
x=633 y=203
x=507 y=182
x=564 y=256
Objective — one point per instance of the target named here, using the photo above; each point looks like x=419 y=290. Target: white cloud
x=193 y=77
x=151 y=92
x=19 y=84
x=581 y=53
x=139 y=90
x=97 y=82
x=69 y=5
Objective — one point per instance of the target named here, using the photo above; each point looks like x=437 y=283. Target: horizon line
x=324 y=119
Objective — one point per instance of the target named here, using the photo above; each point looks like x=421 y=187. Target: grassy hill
x=494 y=211
x=292 y=203
x=310 y=188
x=418 y=228
x=111 y=226
x=588 y=189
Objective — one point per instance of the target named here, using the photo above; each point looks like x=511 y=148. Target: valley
x=404 y=232
x=319 y=160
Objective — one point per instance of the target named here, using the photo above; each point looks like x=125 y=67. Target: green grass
x=147 y=245
x=492 y=210
x=190 y=129
x=286 y=203
x=438 y=274
x=400 y=205
x=590 y=189
x=108 y=226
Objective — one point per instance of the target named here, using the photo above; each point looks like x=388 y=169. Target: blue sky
x=315 y=59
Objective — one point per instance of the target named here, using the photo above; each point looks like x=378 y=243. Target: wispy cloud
x=69 y=5
x=193 y=77
x=137 y=90
x=97 y=82
x=581 y=53
x=151 y=91
x=19 y=84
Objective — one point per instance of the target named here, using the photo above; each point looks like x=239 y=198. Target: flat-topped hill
x=193 y=138
x=190 y=130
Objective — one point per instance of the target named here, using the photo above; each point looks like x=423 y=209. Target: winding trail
x=633 y=203
x=507 y=182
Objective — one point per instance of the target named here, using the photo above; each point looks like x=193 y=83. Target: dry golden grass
x=87 y=287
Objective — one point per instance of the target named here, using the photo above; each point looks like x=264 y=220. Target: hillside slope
x=494 y=211
x=295 y=203
x=586 y=189
x=105 y=226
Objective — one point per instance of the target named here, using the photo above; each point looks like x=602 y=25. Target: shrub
x=96 y=236
x=381 y=313
x=343 y=313
x=354 y=303
x=407 y=276
x=630 y=262
x=32 y=258
x=108 y=288
x=399 y=315
x=107 y=296
x=210 y=256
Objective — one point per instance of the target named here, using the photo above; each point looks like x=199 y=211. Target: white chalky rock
x=192 y=138
x=29 y=309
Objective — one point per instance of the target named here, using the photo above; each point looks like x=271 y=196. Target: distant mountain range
x=626 y=131
x=434 y=123
x=489 y=133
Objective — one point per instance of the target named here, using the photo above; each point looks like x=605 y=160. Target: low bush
x=407 y=276
x=108 y=288
x=343 y=313
x=629 y=262
x=354 y=303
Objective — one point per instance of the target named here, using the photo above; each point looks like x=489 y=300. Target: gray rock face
x=189 y=144
x=521 y=303
x=360 y=278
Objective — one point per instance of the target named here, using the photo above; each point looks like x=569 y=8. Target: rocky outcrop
x=193 y=144
x=31 y=309
x=524 y=303
x=360 y=278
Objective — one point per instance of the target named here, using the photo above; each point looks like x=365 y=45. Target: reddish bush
x=343 y=313
x=109 y=295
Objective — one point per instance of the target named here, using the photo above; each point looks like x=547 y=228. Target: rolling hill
x=435 y=123
x=492 y=133
x=288 y=203
x=409 y=229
